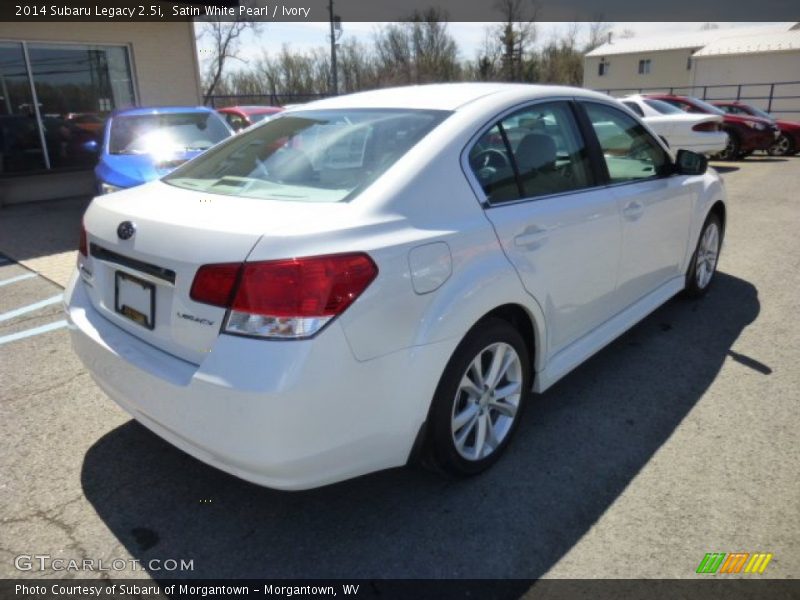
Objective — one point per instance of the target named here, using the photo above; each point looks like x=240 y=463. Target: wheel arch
x=718 y=208
x=532 y=331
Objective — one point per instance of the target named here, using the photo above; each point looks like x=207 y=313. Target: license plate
x=135 y=299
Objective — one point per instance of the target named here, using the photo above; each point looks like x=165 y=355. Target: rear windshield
x=709 y=108
x=663 y=107
x=174 y=132
x=309 y=156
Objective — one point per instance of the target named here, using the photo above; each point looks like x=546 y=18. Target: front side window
x=535 y=152
x=630 y=152
x=309 y=156
x=165 y=132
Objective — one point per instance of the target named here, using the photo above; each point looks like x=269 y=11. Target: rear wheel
x=783 y=146
x=479 y=400
x=704 y=261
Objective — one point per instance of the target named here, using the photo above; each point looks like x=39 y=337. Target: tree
x=416 y=50
x=598 y=34
x=223 y=36
x=560 y=60
x=516 y=35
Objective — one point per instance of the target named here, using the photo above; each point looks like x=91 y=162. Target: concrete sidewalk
x=43 y=236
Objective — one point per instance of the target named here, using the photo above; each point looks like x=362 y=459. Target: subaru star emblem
x=126 y=230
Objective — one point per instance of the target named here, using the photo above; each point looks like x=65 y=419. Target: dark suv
x=746 y=133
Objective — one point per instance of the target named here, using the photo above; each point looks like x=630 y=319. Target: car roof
x=160 y=110
x=443 y=96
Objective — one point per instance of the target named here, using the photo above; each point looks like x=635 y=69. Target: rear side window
x=309 y=156
x=630 y=152
x=537 y=151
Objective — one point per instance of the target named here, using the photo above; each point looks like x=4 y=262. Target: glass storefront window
x=76 y=87
x=20 y=143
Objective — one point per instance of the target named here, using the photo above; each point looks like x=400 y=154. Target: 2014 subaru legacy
x=384 y=276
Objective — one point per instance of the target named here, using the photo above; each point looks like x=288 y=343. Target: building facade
x=58 y=82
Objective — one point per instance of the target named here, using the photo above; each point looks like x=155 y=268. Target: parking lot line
x=30 y=308
x=17 y=278
x=31 y=332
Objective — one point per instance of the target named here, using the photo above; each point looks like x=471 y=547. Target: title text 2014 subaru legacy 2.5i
x=385 y=275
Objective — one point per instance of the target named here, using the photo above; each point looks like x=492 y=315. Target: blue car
x=142 y=144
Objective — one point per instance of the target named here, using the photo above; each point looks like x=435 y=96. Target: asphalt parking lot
x=681 y=438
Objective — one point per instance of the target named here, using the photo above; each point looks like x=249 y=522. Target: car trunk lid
x=150 y=274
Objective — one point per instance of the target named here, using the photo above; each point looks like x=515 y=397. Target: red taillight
x=710 y=126
x=83 y=245
x=214 y=284
x=288 y=298
x=320 y=286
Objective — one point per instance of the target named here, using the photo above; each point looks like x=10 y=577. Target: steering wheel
x=489 y=158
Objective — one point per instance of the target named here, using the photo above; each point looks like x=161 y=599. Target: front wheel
x=479 y=400
x=783 y=146
x=704 y=261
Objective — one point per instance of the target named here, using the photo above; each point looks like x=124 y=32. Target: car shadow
x=578 y=447
x=724 y=168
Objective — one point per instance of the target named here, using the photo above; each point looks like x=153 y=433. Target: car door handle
x=633 y=210
x=530 y=236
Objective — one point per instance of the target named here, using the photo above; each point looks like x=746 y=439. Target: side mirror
x=690 y=163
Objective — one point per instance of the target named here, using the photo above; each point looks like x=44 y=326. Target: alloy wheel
x=707 y=253
x=780 y=147
x=486 y=401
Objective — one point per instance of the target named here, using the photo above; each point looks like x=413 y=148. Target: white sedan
x=695 y=132
x=369 y=279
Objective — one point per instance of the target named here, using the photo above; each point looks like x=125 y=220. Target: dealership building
x=760 y=65
x=58 y=82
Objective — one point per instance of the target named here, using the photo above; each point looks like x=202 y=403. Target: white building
x=754 y=64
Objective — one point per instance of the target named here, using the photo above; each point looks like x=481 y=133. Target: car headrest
x=536 y=151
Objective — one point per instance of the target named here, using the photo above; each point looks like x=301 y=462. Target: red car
x=789 y=141
x=746 y=134
x=239 y=117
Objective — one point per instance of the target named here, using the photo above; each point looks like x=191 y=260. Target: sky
x=302 y=36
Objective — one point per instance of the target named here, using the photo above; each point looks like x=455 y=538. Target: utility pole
x=336 y=32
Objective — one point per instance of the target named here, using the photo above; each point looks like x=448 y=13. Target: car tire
x=470 y=424
x=703 y=266
x=783 y=146
x=732 y=149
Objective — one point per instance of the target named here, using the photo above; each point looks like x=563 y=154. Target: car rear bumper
x=710 y=143
x=284 y=414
